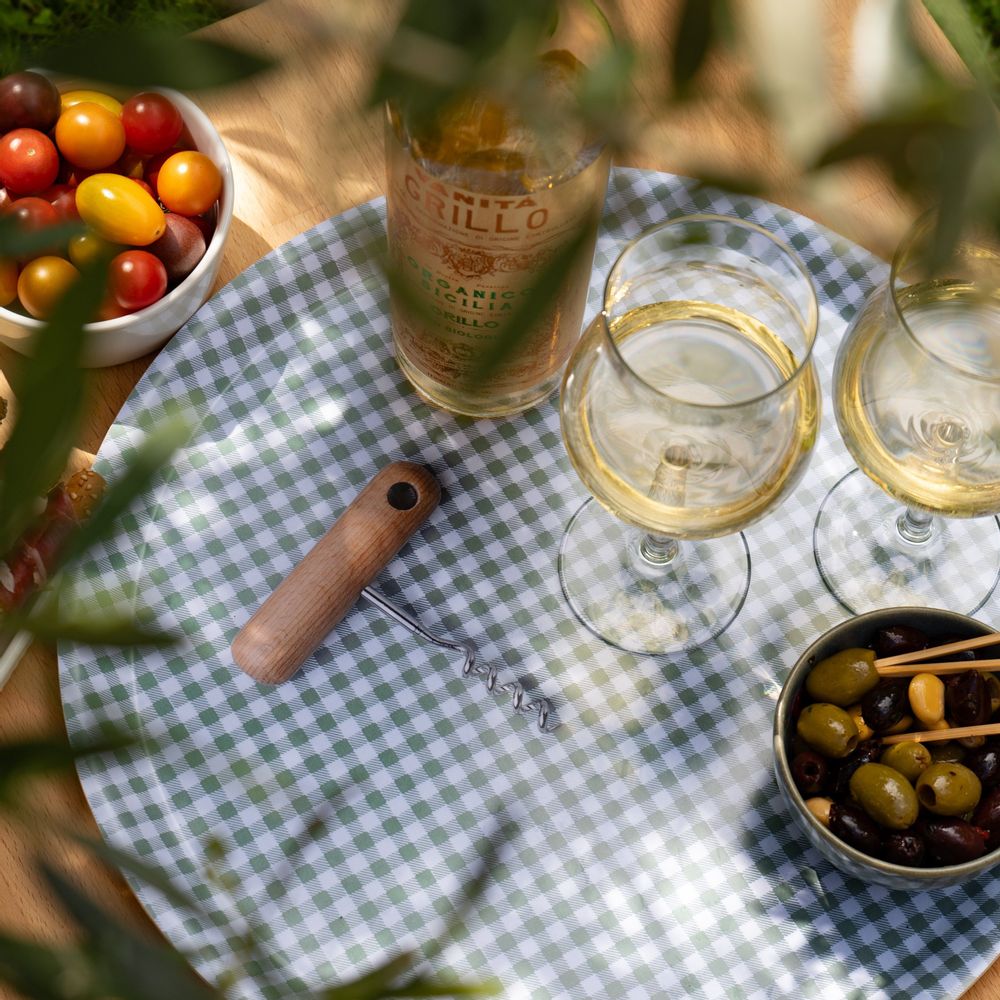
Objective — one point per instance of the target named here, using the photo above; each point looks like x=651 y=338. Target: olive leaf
x=137 y=57
x=42 y=973
x=32 y=757
x=969 y=40
x=693 y=39
x=50 y=397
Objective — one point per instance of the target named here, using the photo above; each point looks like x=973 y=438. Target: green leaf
x=536 y=303
x=50 y=397
x=132 y=967
x=42 y=973
x=151 y=875
x=693 y=40
x=14 y=242
x=91 y=628
x=139 y=58
x=29 y=757
x=972 y=44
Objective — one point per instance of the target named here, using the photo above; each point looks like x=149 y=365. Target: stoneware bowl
x=114 y=341
x=858 y=632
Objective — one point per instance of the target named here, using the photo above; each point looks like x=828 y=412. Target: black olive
x=896 y=639
x=855 y=827
x=904 y=847
x=967 y=700
x=809 y=772
x=987 y=817
x=965 y=654
x=984 y=763
x=951 y=841
x=885 y=704
x=840 y=776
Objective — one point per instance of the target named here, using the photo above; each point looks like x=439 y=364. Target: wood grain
x=302 y=152
x=306 y=606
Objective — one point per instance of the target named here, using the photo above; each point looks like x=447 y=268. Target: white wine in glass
x=689 y=409
x=917 y=398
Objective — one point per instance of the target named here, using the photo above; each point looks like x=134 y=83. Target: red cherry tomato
x=62 y=197
x=152 y=123
x=90 y=136
x=144 y=186
x=28 y=161
x=189 y=183
x=8 y=281
x=137 y=279
x=33 y=215
x=43 y=283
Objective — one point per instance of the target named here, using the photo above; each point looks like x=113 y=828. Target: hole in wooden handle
x=402 y=496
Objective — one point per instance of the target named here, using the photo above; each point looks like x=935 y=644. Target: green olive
x=948 y=789
x=828 y=729
x=885 y=795
x=844 y=678
x=911 y=759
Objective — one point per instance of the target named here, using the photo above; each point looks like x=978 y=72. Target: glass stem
x=915 y=526
x=658 y=550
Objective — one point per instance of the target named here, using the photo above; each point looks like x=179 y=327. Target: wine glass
x=689 y=409
x=917 y=399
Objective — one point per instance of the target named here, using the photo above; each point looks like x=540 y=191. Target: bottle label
x=469 y=259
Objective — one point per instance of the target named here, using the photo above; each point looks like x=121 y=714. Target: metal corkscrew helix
x=539 y=706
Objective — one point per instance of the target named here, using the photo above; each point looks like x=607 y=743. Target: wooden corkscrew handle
x=307 y=605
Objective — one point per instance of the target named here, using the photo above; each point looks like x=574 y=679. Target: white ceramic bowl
x=115 y=341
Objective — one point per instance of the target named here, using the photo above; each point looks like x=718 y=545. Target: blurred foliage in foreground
x=987 y=13
x=27 y=26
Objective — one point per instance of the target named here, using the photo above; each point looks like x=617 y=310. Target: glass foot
x=866 y=563
x=640 y=603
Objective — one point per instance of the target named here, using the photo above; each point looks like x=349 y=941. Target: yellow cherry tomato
x=90 y=136
x=84 y=248
x=119 y=210
x=43 y=282
x=8 y=281
x=72 y=97
x=189 y=183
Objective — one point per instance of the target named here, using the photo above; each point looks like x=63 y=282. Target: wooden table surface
x=302 y=152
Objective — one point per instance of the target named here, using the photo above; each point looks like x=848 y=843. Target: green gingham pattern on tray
x=653 y=858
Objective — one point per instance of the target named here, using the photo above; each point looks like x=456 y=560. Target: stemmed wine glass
x=917 y=399
x=689 y=409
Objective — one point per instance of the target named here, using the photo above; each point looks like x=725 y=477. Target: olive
x=866 y=753
x=951 y=840
x=967 y=699
x=885 y=704
x=809 y=772
x=993 y=688
x=843 y=678
x=885 y=795
x=828 y=729
x=984 y=763
x=909 y=758
x=903 y=847
x=896 y=639
x=820 y=807
x=855 y=827
x=947 y=753
x=947 y=640
x=925 y=694
x=987 y=817
x=948 y=789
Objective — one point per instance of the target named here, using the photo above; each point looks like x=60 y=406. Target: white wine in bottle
x=478 y=203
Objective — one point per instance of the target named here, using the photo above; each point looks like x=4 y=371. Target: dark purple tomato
x=28 y=100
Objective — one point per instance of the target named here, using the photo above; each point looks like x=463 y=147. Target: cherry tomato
x=152 y=123
x=144 y=186
x=180 y=247
x=28 y=100
x=8 y=281
x=189 y=183
x=73 y=97
x=84 y=248
x=43 y=282
x=33 y=215
x=116 y=208
x=62 y=197
x=90 y=136
x=29 y=162
x=137 y=279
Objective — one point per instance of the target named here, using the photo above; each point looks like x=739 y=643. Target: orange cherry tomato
x=8 y=281
x=189 y=183
x=119 y=210
x=43 y=282
x=73 y=97
x=90 y=136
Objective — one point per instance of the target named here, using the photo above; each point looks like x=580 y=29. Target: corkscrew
x=306 y=606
